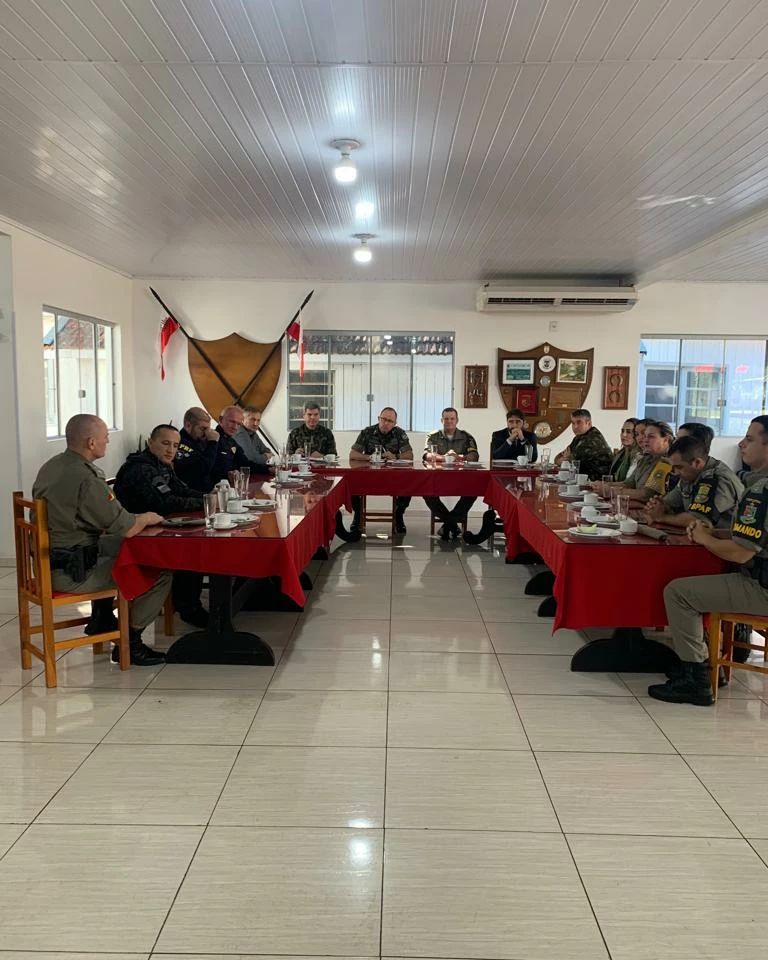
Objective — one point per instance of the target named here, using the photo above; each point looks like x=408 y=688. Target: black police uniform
x=195 y=460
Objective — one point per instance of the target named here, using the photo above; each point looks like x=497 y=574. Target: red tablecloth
x=617 y=584
x=281 y=545
x=413 y=481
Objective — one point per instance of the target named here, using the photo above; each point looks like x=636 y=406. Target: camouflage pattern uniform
x=592 y=452
x=743 y=592
x=319 y=440
x=84 y=513
x=462 y=443
x=397 y=442
x=712 y=496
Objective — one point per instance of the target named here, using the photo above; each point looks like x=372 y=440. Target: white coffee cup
x=235 y=506
x=563 y=475
x=562 y=489
x=222 y=521
x=523 y=461
x=283 y=475
x=628 y=526
x=590 y=513
x=330 y=458
x=565 y=465
x=571 y=489
x=296 y=458
x=582 y=479
x=592 y=499
x=448 y=459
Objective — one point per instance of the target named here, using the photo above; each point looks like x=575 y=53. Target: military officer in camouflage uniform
x=311 y=439
x=708 y=489
x=461 y=444
x=588 y=446
x=147 y=481
x=396 y=446
x=687 y=599
x=87 y=525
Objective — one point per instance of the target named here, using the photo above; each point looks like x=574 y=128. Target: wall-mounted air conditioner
x=509 y=299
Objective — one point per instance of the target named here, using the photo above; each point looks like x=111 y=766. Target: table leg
x=220 y=642
x=541 y=584
x=627 y=651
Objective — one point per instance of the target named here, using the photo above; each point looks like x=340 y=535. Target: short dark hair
x=642 y=422
x=518 y=414
x=690 y=448
x=664 y=428
x=311 y=405
x=249 y=408
x=449 y=410
x=388 y=408
x=159 y=429
x=763 y=421
x=701 y=431
x=581 y=412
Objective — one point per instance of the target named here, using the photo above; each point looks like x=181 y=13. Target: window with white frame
x=720 y=382
x=353 y=375
x=80 y=369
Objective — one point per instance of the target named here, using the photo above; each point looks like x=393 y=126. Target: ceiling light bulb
x=345 y=171
x=363 y=254
x=364 y=209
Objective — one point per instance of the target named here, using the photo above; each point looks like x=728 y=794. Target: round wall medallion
x=547 y=363
x=544 y=381
x=542 y=430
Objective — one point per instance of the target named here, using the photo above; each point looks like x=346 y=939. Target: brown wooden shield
x=546 y=383
x=236 y=360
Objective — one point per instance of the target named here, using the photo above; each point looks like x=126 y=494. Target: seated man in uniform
x=396 y=446
x=708 y=488
x=687 y=599
x=247 y=437
x=87 y=525
x=459 y=443
x=699 y=430
x=311 y=439
x=229 y=456
x=198 y=446
x=588 y=446
x=511 y=443
x=147 y=481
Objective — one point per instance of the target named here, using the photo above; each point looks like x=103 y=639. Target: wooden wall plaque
x=615 y=388
x=476 y=387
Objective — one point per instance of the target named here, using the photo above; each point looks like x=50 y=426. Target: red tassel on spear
x=169 y=327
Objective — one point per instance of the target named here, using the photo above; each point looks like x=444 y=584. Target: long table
x=616 y=584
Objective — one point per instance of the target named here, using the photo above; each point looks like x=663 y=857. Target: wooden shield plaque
x=236 y=360
x=559 y=382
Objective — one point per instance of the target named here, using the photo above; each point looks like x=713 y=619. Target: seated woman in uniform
x=650 y=477
x=624 y=463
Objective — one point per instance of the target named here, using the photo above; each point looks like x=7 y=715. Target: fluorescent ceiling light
x=364 y=209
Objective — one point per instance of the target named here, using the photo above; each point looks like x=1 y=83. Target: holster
x=76 y=562
x=759 y=571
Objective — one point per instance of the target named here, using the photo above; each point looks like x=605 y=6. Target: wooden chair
x=33 y=571
x=720 y=628
x=377 y=516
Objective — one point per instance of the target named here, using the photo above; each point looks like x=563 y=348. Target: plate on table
x=399 y=463
x=504 y=463
x=593 y=533
x=473 y=465
x=258 y=504
x=184 y=522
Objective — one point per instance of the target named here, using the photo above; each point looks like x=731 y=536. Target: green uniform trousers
x=688 y=598
x=143 y=609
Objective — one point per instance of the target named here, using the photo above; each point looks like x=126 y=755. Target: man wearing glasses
x=395 y=445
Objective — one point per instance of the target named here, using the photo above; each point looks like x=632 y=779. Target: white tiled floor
x=421 y=776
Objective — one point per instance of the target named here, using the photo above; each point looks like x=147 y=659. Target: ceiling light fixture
x=363 y=253
x=364 y=210
x=345 y=170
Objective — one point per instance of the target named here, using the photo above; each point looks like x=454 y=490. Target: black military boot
x=141 y=654
x=674 y=673
x=400 y=520
x=103 y=620
x=349 y=536
x=692 y=686
x=488 y=527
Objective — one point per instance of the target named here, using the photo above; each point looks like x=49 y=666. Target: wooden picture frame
x=476 y=387
x=615 y=388
x=565 y=398
x=516 y=371
x=572 y=370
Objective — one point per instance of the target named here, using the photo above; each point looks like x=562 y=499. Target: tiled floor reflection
x=419 y=776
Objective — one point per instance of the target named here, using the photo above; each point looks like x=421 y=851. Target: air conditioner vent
x=576 y=298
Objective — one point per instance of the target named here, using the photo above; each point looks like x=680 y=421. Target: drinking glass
x=608 y=478
x=575 y=464
x=622 y=507
x=245 y=479
x=210 y=507
x=529 y=451
x=432 y=451
x=544 y=460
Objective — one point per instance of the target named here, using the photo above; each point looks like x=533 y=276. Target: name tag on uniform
x=749 y=522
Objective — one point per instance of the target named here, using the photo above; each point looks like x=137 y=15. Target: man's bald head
x=231 y=419
x=87 y=435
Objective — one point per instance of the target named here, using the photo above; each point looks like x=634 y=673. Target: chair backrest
x=33 y=551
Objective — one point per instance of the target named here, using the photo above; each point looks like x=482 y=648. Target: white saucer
x=602 y=533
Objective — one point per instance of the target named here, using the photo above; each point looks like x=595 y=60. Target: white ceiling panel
x=497 y=138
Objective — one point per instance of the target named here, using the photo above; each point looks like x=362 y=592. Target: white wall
x=260 y=310
x=45 y=273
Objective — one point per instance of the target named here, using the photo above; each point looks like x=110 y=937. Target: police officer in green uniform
x=459 y=443
x=147 y=481
x=708 y=489
x=311 y=439
x=687 y=599
x=396 y=446
x=588 y=446
x=87 y=524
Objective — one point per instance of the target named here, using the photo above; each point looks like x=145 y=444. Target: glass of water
x=210 y=507
x=529 y=452
x=622 y=507
x=544 y=460
x=245 y=479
